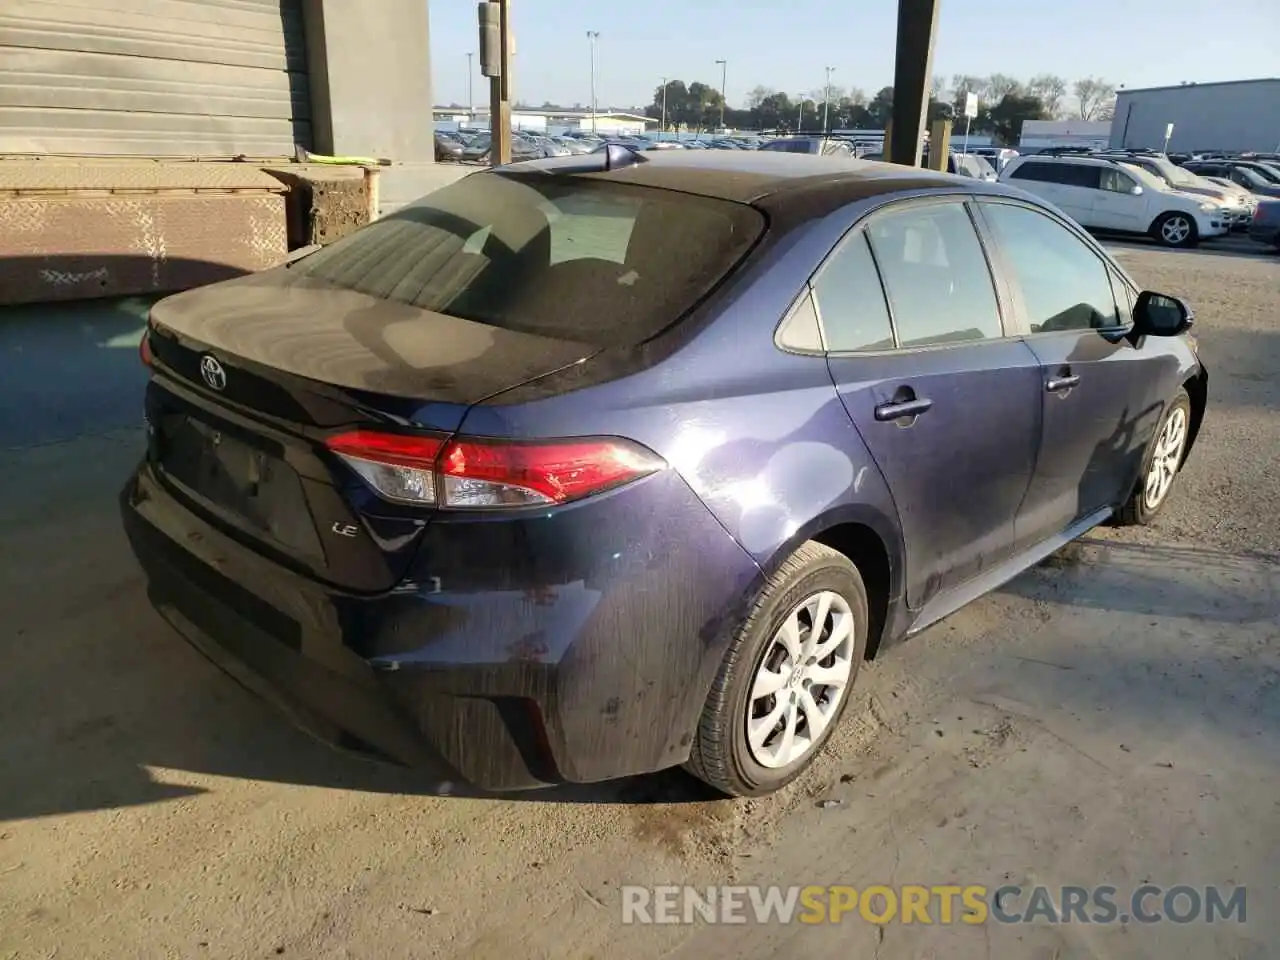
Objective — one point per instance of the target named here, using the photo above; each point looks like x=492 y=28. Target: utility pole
x=496 y=48
x=724 y=78
x=664 y=107
x=826 y=104
x=800 y=115
x=471 y=100
x=593 y=36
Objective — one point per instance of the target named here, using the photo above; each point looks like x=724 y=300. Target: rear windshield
x=575 y=258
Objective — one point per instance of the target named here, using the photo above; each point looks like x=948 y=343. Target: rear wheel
x=1176 y=230
x=786 y=677
x=1161 y=463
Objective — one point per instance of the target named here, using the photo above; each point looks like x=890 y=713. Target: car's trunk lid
x=252 y=375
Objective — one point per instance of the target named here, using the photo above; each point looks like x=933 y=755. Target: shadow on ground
x=1235 y=245
x=102 y=705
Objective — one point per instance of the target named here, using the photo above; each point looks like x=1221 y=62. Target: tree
x=1050 y=89
x=937 y=86
x=703 y=106
x=881 y=107
x=1005 y=119
x=1000 y=85
x=774 y=112
x=1097 y=98
x=677 y=103
x=962 y=84
x=758 y=95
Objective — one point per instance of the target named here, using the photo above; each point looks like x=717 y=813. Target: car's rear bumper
x=1268 y=233
x=469 y=670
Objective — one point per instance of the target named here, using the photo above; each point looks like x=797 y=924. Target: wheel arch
x=874 y=545
x=1197 y=387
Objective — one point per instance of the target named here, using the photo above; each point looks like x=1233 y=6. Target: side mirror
x=1136 y=190
x=1160 y=315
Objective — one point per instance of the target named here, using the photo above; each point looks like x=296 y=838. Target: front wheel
x=1161 y=463
x=1176 y=230
x=786 y=677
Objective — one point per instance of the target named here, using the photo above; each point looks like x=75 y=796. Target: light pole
x=471 y=100
x=724 y=77
x=663 y=129
x=826 y=103
x=800 y=115
x=593 y=36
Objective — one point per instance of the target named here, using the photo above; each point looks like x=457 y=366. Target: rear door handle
x=900 y=410
x=1058 y=384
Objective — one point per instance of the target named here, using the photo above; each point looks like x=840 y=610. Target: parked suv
x=1104 y=194
x=1258 y=180
x=1237 y=202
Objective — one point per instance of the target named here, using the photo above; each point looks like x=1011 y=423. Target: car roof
x=1069 y=158
x=752 y=176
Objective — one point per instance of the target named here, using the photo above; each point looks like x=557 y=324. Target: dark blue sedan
x=599 y=465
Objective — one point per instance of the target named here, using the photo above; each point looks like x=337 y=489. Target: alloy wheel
x=1165 y=459
x=801 y=680
x=1175 y=230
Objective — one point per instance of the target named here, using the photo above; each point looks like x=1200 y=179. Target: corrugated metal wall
x=1243 y=115
x=161 y=78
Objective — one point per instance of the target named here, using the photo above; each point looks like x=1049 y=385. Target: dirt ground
x=1110 y=717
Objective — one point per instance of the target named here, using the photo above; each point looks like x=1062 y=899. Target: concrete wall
x=370 y=70
x=1206 y=116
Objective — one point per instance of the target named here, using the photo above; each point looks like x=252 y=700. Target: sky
x=785 y=44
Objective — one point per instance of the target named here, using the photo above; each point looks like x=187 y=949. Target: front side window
x=936 y=275
x=1064 y=284
x=851 y=300
x=593 y=261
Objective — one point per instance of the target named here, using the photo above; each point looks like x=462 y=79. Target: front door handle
x=1058 y=384
x=902 y=409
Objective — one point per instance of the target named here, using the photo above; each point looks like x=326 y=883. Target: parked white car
x=1103 y=194
x=1237 y=202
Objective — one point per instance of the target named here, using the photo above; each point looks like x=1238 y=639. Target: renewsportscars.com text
x=942 y=904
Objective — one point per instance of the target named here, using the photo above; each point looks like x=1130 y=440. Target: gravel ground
x=1109 y=717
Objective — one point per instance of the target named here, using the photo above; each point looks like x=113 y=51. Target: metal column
x=913 y=63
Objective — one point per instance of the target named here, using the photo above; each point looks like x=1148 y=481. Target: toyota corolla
x=593 y=466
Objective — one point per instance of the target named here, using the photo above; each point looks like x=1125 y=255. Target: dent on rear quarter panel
x=610 y=614
x=762 y=452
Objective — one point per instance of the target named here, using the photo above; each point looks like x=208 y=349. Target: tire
x=1142 y=508
x=1176 y=229
x=722 y=755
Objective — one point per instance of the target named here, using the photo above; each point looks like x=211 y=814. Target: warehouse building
x=153 y=145
x=1236 y=115
x=1038 y=134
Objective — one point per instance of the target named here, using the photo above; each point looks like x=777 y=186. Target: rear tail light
x=144 y=348
x=469 y=473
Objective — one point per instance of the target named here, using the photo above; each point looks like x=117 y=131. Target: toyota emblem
x=212 y=372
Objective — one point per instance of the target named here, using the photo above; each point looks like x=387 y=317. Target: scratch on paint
x=153 y=244
x=64 y=278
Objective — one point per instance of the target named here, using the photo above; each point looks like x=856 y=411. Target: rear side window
x=1034 y=170
x=851 y=300
x=1064 y=284
x=573 y=258
x=1068 y=174
x=936 y=275
x=1116 y=181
